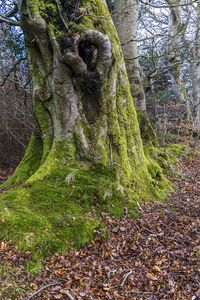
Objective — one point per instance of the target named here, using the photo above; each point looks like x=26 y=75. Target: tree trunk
x=126 y=21
x=176 y=27
x=81 y=95
x=196 y=73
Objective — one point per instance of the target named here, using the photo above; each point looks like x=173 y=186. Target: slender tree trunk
x=126 y=21
x=81 y=95
x=196 y=73
x=176 y=27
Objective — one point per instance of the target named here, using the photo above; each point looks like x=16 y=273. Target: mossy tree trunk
x=176 y=32
x=196 y=73
x=126 y=15
x=81 y=94
x=126 y=21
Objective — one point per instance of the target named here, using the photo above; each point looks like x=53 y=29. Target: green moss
x=184 y=91
x=159 y=161
x=51 y=211
x=175 y=149
x=42 y=6
x=169 y=153
x=146 y=129
x=43 y=117
x=61 y=154
x=12 y=286
x=158 y=164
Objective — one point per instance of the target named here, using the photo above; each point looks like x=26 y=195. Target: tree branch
x=61 y=15
x=166 y=6
x=42 y=289
x=11 y=70
x=4 y=19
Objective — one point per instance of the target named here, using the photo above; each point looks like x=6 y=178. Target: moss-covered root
x=166 y=156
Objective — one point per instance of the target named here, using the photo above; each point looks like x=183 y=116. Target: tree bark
x=196 y=73
x=81 y=95
x=176 y=28
x=126 y=20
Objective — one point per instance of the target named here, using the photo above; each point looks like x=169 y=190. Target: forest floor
x=5 y=172
x=156 y=256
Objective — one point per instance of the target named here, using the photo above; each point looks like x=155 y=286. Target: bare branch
x=8 y=21
x=167 y=6
x=61 y=15
x=42 y=289
x=11 y=70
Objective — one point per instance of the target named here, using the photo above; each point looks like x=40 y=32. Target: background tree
x=196 y=71
x=126 y=22
x=176 y=32
x=156 y=59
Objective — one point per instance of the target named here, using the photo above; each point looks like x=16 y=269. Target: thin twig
x=9 y=21
x=126 y=213
x=69 y=296
x=61 y=15
x=167 y=6
x=140 y=208
x=125 y=278
x=42 y=289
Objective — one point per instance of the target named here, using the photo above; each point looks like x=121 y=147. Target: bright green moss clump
x=53 y=214
x=147 y=132
x=165 y=156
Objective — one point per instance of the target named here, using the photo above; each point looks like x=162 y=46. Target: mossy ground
x=163 y=158
x=12 y=286
x=61 y=210
x=54 y=214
